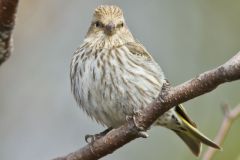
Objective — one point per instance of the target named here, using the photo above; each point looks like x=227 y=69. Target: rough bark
x=8 y=9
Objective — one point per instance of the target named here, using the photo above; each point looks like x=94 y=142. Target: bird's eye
x=121 y=24
x=97 y=24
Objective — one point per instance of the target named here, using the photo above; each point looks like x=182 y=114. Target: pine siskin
x=113 y=76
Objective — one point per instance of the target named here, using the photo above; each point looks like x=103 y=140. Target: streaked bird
x=113 y=76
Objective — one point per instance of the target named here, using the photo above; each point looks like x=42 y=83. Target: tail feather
x=191 y=135
x=204 y=139
x=193 y=144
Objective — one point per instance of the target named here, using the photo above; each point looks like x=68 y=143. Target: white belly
x=109 y=89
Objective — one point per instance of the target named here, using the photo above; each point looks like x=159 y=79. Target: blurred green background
x=39 y=118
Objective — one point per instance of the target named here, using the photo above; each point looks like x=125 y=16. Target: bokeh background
x=39 y=118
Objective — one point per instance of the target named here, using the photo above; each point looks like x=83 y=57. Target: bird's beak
x=110 y=28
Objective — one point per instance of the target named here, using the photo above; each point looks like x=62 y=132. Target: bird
x=113 y=77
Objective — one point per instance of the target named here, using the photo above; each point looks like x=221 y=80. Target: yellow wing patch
x=182 y=112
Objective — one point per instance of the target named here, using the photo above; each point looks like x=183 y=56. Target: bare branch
x=229 y=117
x=168 y=98
x=8 y=10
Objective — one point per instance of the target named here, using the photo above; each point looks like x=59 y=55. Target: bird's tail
x=190 y=134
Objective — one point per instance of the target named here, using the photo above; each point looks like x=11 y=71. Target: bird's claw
x=140 y=129
x=166 y=86
x=91 y=138
x=143 y=134
x=164 y=91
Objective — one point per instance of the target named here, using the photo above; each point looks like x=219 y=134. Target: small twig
x=8 y=9
x=229 y=116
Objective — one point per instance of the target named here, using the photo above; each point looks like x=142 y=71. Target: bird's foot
x=143 y=134
x=165 y=88
x=140 y=129
x=91 y=138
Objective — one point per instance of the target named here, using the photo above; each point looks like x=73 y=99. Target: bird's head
x=108 y=23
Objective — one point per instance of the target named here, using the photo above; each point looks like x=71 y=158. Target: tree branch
x=168 y=98
x=229 y=117
x=8 y=10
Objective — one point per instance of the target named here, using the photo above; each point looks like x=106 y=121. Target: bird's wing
x=146 y=60
x=138 y=49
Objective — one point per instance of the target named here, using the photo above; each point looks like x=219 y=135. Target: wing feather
x=138 y=49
